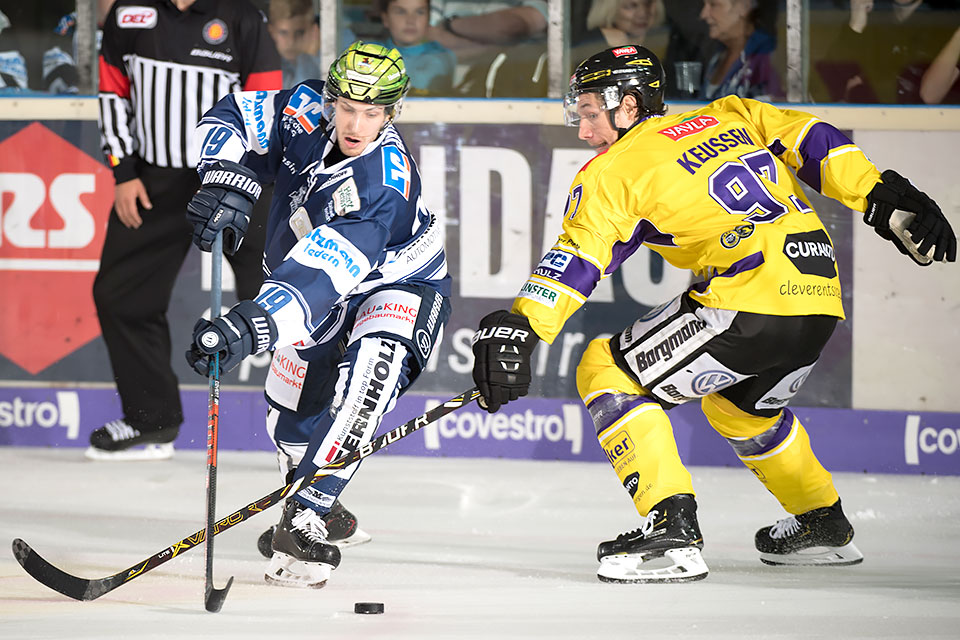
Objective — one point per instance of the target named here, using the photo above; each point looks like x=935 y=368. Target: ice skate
x=117 y=440
x=822 y=536
x=665 y=549
x=342 y=530
x=302 y=557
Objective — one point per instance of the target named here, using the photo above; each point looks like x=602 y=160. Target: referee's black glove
x=223 y=203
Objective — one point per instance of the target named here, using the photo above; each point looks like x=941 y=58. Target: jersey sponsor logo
x=624 y=51
x=305 y=107
x=289 y=371
x=343 y=174
x=631 y=483
x=618 y=446
x=346 y=199
x=708 y=382
x=730 y=239
x=212 y=55
x=396 y=171
x=674 y=393
x=54 y=205
x=64 y=412
x=665 y=348
x=811 y=253
x=215 y=31
x=257 y=111
x=326 y=248
x=553 y=264
x=136 y=18
x=539 y=293
x=689 y=127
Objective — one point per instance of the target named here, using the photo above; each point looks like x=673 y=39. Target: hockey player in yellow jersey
x=715 y=191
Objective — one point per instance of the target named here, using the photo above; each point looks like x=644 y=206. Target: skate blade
x=843 y=556
x=287 y=571
x=359 y=537
x=146 y=452
x=675 y=565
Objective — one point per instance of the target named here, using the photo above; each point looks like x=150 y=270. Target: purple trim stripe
x=819 y=141
x=607 y=408
x=581 y=275
x=742 y=265
x=645 y=232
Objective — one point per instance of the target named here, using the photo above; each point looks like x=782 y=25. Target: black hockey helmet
x=614 y=73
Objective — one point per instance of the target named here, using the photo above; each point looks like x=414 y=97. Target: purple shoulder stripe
x=819 y=141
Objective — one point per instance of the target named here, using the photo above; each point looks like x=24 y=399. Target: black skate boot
x=665 y=549
x=302 y=557
x=117 y=440
x=342 y=530
x=821 y=536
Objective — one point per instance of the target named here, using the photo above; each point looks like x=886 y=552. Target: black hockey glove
x=502 y=347
x=246 y=330
x=928 y=230
x=223 y=203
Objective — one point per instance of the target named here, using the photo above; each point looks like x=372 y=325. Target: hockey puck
x=368 y=607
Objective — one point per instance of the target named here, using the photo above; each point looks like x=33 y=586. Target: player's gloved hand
x=503 y=346
x=223 y=203
x=928 y=230
x=246 y=330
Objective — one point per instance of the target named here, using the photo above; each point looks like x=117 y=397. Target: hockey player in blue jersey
x=356 y=291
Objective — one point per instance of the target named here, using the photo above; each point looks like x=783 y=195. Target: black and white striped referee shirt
x=161 y=69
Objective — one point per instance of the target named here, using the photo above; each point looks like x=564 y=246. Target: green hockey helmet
x=369 y=73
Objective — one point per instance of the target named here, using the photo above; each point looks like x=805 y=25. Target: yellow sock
x=633 y=430
x=777 y=450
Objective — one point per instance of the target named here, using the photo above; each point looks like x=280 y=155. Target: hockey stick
x=90 y=589
x=212 y=597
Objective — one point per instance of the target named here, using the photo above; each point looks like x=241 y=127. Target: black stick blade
x=215 y=597
x=70 y=586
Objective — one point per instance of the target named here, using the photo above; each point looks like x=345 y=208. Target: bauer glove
x=925 y=236
x=246 y=330
x=223 y=203
x=502 y=347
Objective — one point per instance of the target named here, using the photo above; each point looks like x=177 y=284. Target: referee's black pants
x=138 y=269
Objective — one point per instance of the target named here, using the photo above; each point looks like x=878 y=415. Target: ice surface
x=464 y=548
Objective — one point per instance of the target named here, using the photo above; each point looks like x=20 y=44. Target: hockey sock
x=633 y=430
x=777 y=450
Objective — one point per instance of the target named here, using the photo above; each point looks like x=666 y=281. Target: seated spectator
x=295 y=28
x=429 y=64
x=939 y=82
x=743 y=62
x=468 y=27
x=34 y=46
x=614 y=23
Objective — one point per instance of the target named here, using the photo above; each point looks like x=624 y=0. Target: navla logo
x=54 y=204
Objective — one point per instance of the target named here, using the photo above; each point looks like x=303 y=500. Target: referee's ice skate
x=302 y=557
x=665 y=549
x=117 y=440
x=821 y=536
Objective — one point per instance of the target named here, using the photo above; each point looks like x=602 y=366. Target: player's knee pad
x=598 y=373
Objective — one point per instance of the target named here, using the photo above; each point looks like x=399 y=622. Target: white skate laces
x=784 y=528
x=120 y=430
x=311 y=524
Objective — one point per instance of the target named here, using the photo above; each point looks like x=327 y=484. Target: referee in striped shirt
x=163 y=63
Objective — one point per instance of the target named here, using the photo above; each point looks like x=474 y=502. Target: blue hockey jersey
x=334 y=232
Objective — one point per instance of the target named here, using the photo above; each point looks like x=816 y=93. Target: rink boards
x=531 y=428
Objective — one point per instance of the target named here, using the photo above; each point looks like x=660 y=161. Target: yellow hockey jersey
x=712 y=191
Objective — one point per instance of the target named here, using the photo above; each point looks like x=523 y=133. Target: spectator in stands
x=939 y=82
x=743 y=62
x=614 y=23
x=429 y=64
x=36 y=45
x=294 y=27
